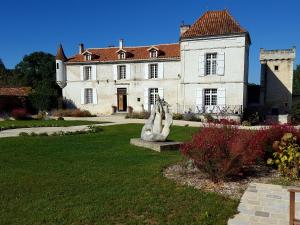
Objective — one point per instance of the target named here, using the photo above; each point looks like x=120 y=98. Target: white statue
x=153 y=129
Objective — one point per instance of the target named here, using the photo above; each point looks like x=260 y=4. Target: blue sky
x=35 y=25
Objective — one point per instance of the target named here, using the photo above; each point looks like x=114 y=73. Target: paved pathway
x=113 y=119
x=264 y=204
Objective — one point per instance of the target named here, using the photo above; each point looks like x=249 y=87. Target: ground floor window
x=153 y=95
x=210 y=96
x=88 y=96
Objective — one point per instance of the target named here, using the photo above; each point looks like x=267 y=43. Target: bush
x=19 y=114
x=287 y=156
x=222 y=152
x=177 y=116
x=246 y=123
x=227 y=122
x=138 y=115
x=60 y=118
x=209 y=118
x=71 y=113
x=189 y=116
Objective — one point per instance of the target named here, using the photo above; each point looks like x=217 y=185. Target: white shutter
x=160 y=70
x=221 y=97
x=94 y=72
x=95 y=97
x=146 y=99
x=82 y=96
x=115 y=72
x=202 y=65
x=199 y=99
x=128 y=71
x=146 y=74
x=81 y=73
x=161 y=93
x=221 y=63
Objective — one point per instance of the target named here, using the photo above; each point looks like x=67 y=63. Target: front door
x=122 y=99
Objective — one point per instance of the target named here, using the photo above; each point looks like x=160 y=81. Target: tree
x=296 y=87
x=37 y=70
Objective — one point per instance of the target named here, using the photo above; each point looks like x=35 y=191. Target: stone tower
x=277 y=68
x=60 y=59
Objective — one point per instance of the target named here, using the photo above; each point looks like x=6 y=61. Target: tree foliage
x=297 y=80
x=36 y=70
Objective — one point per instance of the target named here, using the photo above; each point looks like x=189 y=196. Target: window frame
x=153 y=95
x=120 y=71
x=153 y=74
x=88 y=57
x=87 y=73
x=153 y=53
x=88 y=96
x=211 y=63
x=122 y=55
x=210 y=96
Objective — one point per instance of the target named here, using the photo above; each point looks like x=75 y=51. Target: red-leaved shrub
x=223 y=152
x=19 y=114
x=71 y=113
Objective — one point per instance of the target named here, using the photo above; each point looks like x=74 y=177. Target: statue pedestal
x=156 y=146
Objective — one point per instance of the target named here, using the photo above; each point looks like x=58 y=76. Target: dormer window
x=153 y=54
x=122 y=55
x=88 y=57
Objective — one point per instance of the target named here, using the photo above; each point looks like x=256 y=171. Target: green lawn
x=12 y=124
x=99 y=179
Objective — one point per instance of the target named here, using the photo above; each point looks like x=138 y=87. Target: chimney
x=81 y=48
x=184 y=28
x=121 y=43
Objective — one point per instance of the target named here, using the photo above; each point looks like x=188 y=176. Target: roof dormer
x=88 y=56
x=122 y=54
x=153 y=52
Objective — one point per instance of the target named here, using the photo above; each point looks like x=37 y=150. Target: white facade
x=202 y=73
x=105 y=84
x=231 y=73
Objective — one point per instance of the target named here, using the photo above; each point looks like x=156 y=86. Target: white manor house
x=205 y=72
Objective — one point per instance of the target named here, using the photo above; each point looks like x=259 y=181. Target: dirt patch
x=187 y=175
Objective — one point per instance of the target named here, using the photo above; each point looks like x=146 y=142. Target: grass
x=13 y=124
x=99 y=179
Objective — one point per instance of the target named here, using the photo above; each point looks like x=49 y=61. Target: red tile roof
x=214 y=23
x=133 y=53
x=15 y=91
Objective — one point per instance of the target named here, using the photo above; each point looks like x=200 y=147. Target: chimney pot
x=184 y=28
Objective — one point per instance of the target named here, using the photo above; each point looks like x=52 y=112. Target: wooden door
x=122 y=99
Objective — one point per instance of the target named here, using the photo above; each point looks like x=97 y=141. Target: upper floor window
x=122 y=72
x=88 y=57
x=153 y=69
x=210 y=97
x=276 y=68
x=153 y=53
x=57 y=66
x=87 y=73
x=211 y=64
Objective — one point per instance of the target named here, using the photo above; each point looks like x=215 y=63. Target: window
x=57 y=66
x=276 y=68
x=153 y=71
x=153 y=54
x=88 y=57
x=211 y=64
x=87 y=73
x=210 y=96
x=153 y=95
x=122 y=72
x=88 y=96
x=122 y=55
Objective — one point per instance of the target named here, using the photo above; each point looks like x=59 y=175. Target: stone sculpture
x=154 y=130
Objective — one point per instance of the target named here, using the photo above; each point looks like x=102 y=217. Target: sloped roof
x=60 y=54
x=15 y=91
x=133 y=53
x=214 y=23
